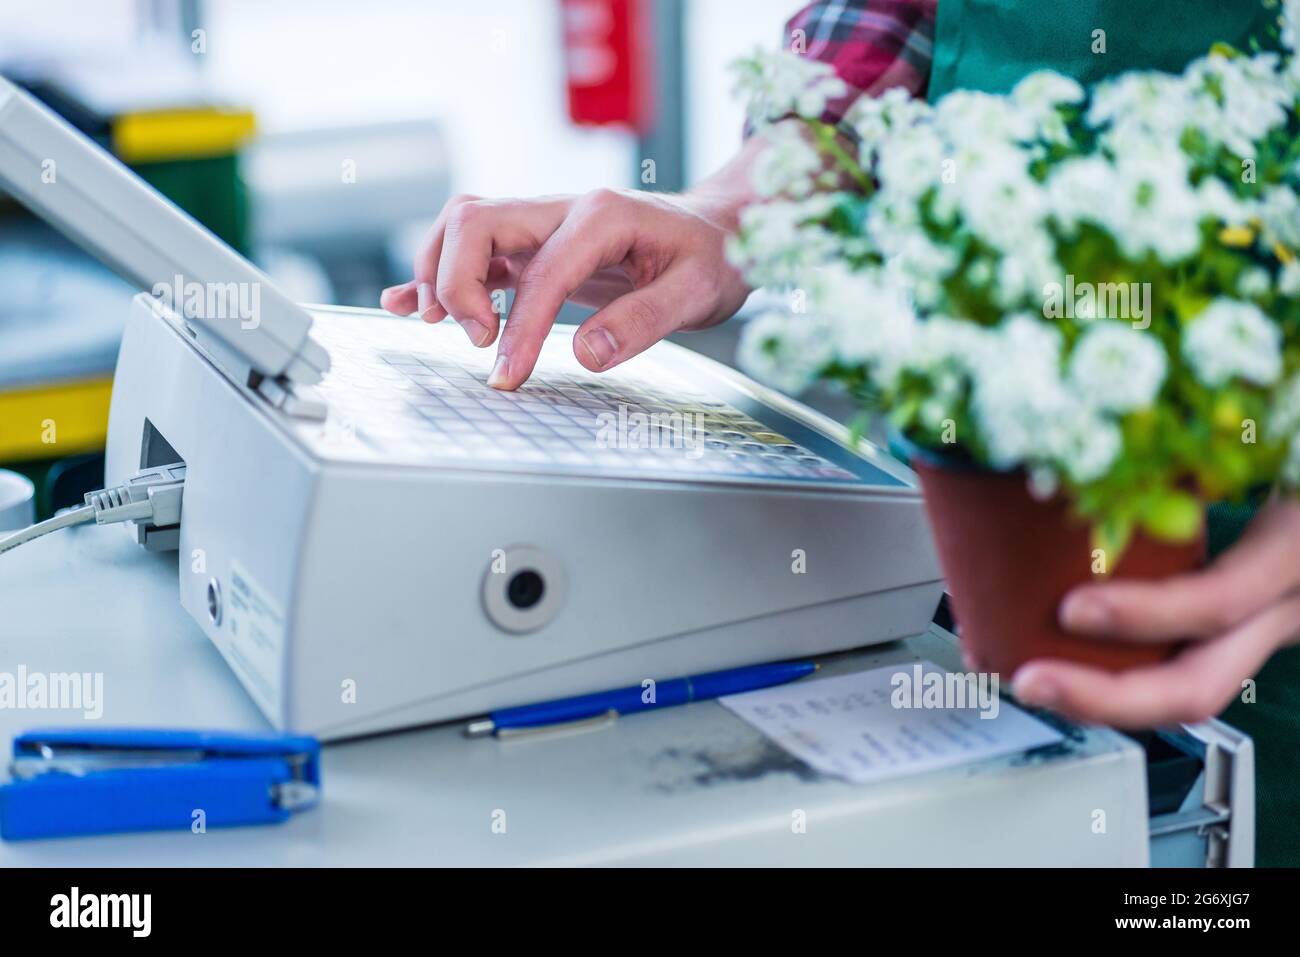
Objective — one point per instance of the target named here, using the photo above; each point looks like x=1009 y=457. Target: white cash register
x=374 y=538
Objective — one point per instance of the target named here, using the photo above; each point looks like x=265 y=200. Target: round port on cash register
x=214 y=601
x=526 y=589
x=523 y=589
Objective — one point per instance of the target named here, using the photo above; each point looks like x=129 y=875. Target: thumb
x=637 y=320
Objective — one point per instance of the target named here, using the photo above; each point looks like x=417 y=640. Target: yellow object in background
x=54 y=420
x=180 y=134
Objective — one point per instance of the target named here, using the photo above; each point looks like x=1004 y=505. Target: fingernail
x=500 y=372
x=601 y=345
x=1085 y=613
x=1036 y=690
x=424 y=297
x=478 y=333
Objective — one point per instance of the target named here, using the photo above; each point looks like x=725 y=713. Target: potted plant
x=1079 y=311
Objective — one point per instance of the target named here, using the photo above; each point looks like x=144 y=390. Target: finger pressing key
x=587 y=241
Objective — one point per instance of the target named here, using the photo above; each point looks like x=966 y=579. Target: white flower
x=1279 y=213
x=935 y=412
x=1232 y=339
x=1144 y=200
x=875 y=118
x=787 y=352
x=999 y=202
x=971 y=116
x=1044 y=483
x=910 y=163
x=779 y=240
x=1287 y=406
x=1218 y=202
x=1288 y=280
x=1086 y=445
x=1141 y=105
x=1230 y=101
x=1284 y=417
x=1025 y=269
x=974 y=198
x=1238 y=100
x=1028 y=415
x=789 y=165
x=776 y=84
x=1045 y=89
x=858 y=318
x=1156 y=209
x=1290 y=23
x=944 y=345
x=1254 y=283
x=1079 y=190
x=1042 y=94
x=1116 y=367
x=920 y=263
x=869 y=319
x=1032 y=341
x=1017 y=391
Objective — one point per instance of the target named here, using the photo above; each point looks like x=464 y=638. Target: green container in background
x=209 y=189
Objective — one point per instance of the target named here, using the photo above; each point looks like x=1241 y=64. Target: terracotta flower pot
x=1010 y=559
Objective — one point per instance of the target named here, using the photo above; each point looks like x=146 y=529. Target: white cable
x=73 y=516
x=151 y=498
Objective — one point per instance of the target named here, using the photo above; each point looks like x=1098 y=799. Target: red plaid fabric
x=873 y=45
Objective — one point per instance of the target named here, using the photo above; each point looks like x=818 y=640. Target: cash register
x=374 y=538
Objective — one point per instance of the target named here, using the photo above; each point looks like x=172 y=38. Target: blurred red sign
x=607 y=63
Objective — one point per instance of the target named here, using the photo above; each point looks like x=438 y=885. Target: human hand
x=651 y=264
x=1233 y=614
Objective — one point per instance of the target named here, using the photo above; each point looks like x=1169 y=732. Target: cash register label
x=257 y=639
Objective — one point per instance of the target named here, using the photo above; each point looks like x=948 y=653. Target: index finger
x=587 y=241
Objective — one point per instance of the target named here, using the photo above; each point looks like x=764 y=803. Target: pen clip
x=595 y=722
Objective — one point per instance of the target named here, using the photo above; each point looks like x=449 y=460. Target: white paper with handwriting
x=891 y=721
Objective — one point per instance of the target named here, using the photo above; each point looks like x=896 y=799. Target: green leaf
x=1171 y=516
x=1111 y=537
x=858 y=427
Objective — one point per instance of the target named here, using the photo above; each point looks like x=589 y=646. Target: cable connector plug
x=151 y=498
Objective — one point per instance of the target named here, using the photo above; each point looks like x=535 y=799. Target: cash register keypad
x=414 y=393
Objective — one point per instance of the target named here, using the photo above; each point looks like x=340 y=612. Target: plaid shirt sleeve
x=873 y=45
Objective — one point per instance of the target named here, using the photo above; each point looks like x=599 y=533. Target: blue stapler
x=73 y=781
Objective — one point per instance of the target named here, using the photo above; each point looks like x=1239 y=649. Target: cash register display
x=404 y=392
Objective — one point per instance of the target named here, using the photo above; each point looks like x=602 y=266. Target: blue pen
x=674 y=691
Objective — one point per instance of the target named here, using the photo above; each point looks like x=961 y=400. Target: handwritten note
x=891 y=721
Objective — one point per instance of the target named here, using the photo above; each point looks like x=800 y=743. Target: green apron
x=989 y=45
